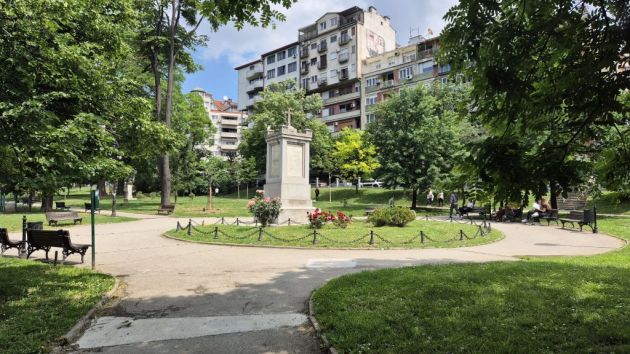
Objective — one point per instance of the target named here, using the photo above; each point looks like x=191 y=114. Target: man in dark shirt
x=453 y=201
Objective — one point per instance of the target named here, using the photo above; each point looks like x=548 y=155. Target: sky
x=228 y=48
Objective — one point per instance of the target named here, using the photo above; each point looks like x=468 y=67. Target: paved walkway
x=191 y=298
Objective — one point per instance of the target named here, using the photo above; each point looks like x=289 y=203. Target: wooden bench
x=6 y=243
x=88 y=208
x=369 y=211
x=482 y=212
x=54 y=217
x=551 y=216
x=581 y=218
x=44 y=240
x=61 y=206
x=166 y=209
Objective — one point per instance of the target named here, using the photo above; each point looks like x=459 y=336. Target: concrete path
x=182 y=297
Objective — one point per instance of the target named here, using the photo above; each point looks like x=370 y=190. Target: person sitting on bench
x=466 y=209
x=536 y=212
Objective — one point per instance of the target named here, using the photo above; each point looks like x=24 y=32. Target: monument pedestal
x=288 y=157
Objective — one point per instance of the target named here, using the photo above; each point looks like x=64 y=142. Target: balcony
x=388 y=84
x=322 y=47
x=322 y=65
x=306 y=86
x=256 y=86
x=229 y=135
x=345 y=39
x=304 y=69
x=229 y=121
x=255 y=72
x=322 y=82
x=343 y=115
x=423 y=76
x=427 y=53
x=372 y=88
x=343 y=57
x=343 y=75
x=342 y=98
x=304 y=52
x=229 y=147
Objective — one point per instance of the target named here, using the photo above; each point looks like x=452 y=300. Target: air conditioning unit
x=294 y=56
x=409 y=77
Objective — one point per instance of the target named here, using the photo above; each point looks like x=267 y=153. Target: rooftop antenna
x=414 y=31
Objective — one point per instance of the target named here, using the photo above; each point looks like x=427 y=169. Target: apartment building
x=386 y=74
x=281 y=64
x=228 y=121
x=332 y=52
x=251 y=80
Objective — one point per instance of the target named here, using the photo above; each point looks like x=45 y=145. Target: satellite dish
x=225 y=98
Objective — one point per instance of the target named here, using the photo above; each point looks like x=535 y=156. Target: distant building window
x=314 y=79
x=445 y=68
x=271 y=73
x=291 y=51
x=314 y=46
x=333 y=22
x=333 y=39
x=271 y=59
x=371 y=81
x=409 y=57
x=313 y=61
x=252 y=67
x=292 y=67
x=426 y=67
x=354 y=49
x=406 y=73
x=281 y=55
x=371 y=118
x=370 y=100
x=281 y=70
x=322 y=26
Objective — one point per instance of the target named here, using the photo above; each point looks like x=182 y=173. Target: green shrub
x=392 y=216
x=139 y=195
x=152 y=195
x=191 y=195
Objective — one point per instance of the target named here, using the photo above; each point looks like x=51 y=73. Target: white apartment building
x=332 y=52
x=328 y=60
x=228 y=121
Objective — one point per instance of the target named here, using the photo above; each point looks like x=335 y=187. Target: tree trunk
x=165 y=183
x=554 y=195
x=414 y=198
x=238 y=190
x=120 y=189
x=357 y=186
x=101 y=188
x=209 y=204
x=47 y=201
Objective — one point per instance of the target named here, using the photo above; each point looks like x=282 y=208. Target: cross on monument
x=289 y=117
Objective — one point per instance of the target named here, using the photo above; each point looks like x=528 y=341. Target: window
x=281 y=70
x=409 y=57
x=291 y=52
x=281 y=55
x=271 y=59
x=271 y=74
x=370 y=100
x=292 y=67
x=323 y=61
x=371 y=117
x=426 y=67
x=445 y=68
x=305 y=83
x=391 y=61
x=371 y=81
x=332 y=73
x=333 y=55
x=313 y=61
x=333 y=22
x=214 y=117
x=251 y=95
x=444 y=80
x=322 y=26
x=314 y=79
x=333 y=38
x=252 y=67
x=313 y=45
x=406 y=73
x=354 y=49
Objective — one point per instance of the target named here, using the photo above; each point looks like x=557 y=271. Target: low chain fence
x=258 y=234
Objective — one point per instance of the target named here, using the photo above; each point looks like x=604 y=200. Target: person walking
x=316 y=193
x=430 y=198
x=441 y=199
x=453 y=201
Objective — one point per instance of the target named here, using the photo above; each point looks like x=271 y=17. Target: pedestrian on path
x=430 y=198
x=316 y=193
x=453 y=201
x=441 y=199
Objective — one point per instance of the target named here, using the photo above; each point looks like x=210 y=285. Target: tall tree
x=415 y=140
x=355 y=155
x=540 y=66
x=277 y=100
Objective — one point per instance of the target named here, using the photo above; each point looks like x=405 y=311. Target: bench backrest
x=588 y=216
x=62 y=215
x=60 y=204
x=168 y=207
x=553 y=213
x=576 y=215
x=52 y=238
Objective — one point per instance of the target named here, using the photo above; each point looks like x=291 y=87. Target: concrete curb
x=82 y=324
x=318 y=328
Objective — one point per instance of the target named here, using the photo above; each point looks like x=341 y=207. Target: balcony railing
x=345 y=39
x=322 y=47
x=343 y=57
x=322 y=82
x=371 y=88
x=427 y=53
x=304 y=69
x=322 y=65
x=343 y=75
x=258 y=85
x=229 y=121
x=304 y=52
x=388 y=84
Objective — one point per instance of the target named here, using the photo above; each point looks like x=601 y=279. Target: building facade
x=386 y=74
x=228 y=121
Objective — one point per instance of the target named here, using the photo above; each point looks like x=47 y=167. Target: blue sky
x=228 y=48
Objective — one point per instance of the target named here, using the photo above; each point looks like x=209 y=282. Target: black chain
x=285 y=239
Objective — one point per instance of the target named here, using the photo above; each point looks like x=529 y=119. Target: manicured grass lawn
x=611 y=203
x=13 y=221
x=539 y=305
x=230 y=205
x=356 y=235
x=40 y=302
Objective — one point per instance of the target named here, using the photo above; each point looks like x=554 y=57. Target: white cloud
x=240 y=47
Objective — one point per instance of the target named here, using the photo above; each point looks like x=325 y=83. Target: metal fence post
x=314 y=236
x=24 y=228
x=260 y=233
x=222 y=220
x=189 y=227
x=216 y=232
x=237 y=222
x=595 y=230
x=421 y=236
x=289 y=222
x=371 y=237
x=461 y=235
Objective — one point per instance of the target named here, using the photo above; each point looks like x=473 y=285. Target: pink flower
x=267 y=200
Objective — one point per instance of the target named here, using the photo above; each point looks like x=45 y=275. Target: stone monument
x=288 y=158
